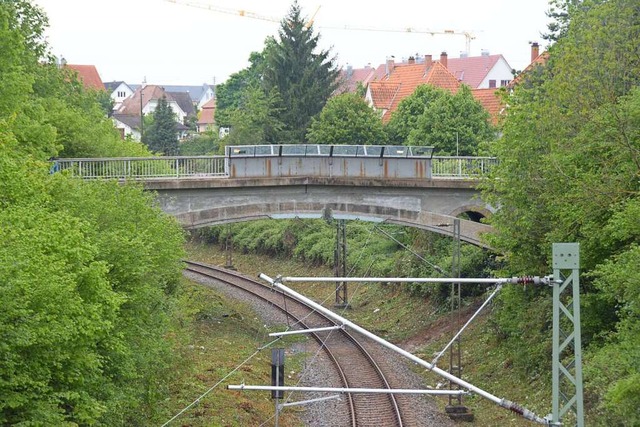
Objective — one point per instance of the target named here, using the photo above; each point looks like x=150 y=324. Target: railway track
x=354 y=366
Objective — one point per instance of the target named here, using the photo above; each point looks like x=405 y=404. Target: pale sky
x=180 y=44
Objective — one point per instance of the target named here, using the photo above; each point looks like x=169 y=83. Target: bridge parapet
x=254 y=161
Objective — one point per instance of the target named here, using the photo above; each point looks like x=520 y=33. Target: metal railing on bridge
x=144 y=167
x=461 y=166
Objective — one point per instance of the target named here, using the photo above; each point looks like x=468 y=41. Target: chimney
x=391 y=61
x=535 y=51
x=443 y=59
x=412 y=60
x=428 y=61
x=349 y=70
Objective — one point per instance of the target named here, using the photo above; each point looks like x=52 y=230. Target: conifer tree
x=162 y=135
x=304 y=76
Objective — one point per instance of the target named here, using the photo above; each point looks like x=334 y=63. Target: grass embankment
x=383 y=309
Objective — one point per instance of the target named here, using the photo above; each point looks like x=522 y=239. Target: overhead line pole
x=527 y=414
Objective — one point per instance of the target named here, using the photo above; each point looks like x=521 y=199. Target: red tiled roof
x=88 y=75
x=539 y=60
x=132 y=104
x=383 y=94
x=210 y=104
x=491 y=101
x=403 y=80
x=352 y=76
x=472 y=70
x=207 y=114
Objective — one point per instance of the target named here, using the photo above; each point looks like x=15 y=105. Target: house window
x=492 y=83
x=122 y=94
x=504 y=82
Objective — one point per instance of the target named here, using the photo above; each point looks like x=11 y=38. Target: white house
x=145 y=99
x=479 y=72
x=128 y=125
x=119 y=91
x=200 y=95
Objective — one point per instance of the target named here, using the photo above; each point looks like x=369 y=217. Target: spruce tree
x=304 y=77
x=162 y=135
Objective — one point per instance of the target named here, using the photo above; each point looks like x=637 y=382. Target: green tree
x=162 y=135
x=88 y=270
x=347 y=119
x=255 y=120
x=206 y=143
x=57 y=305
x=230 y=95
x=453 y=124
x=304 y=77
x=569 y=172
x=405 y=118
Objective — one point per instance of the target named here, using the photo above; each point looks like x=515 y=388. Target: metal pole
x=305 y=402
x=500 y=401
x=567 y=391
x=433 y=362
x=141 y=113
x=534 y=280
x=455 y=359
x=344 y=390
x=340 y=263
x=306 y=331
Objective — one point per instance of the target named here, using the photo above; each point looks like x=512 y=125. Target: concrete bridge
x=397 y=185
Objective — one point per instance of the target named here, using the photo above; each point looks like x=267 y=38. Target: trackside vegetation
x=88 y=271
x=98 y=328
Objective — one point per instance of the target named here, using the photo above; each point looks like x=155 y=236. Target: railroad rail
x=353 y=364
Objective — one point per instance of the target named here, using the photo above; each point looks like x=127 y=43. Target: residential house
x=199 y=95
x=402 y=79
x=87 y=74
x=480 y=72
x=392 y=82
x=537 y=59
x=119 y=91
x=184 y=102
x=206 y=116
x=145 y=100
x=128 y=125
x=351 y=78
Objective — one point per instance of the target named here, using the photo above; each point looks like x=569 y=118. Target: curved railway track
x=354 y=366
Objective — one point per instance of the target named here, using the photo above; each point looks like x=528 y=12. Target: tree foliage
x=255 y=120
x=455 y=124
x=162 y=135
x=347 y=119
x=405 y=119
x=88 y=270
x=304 y=77
x=569 y=172
x=230 y=95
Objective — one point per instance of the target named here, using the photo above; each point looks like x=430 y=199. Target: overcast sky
x=180 y=44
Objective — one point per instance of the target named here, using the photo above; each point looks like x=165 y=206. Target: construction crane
x=467 y=35
x=237 y=12
x=241 y=12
